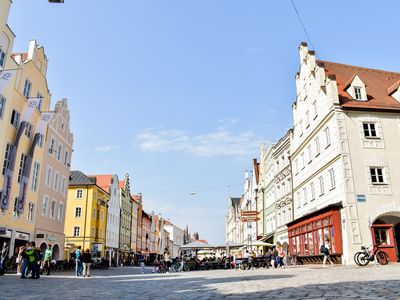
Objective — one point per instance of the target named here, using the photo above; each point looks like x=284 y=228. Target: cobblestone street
x=314 y=282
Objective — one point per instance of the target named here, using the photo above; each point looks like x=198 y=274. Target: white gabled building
x=345 y=159
x=109 y=183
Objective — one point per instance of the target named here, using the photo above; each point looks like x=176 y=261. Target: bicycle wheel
x=363 y=259
x=186 y=268
x=356 y=258
x=382 y=258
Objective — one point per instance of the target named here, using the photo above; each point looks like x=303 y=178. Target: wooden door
x=382 y=235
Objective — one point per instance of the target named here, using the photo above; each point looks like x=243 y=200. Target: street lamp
x=56 y=1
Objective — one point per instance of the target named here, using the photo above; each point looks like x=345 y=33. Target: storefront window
x=310 y=242
x=305 y=244
x=333 y=240
x=319 y=223
x=326 y=234
x=325 y=222
x=310 y=227
x=320 y=237
x=298 y=244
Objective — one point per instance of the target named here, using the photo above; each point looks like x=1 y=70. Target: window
x=40 y=141
x=45 y=204
x=78 y=212
x=357 y=92
x=28 y=129
x=53 y=209
x=63 y=185
x=79 y=194
x=377 y=175
x=52 y=146
x=22 y=166
x=305 y=195
x=40 y=97
x=94 y=213
x=301 y=128
x=15 y=118
x=327 y=137
x=66 y=158
x=15 y=211
x=315 y=109
x=60 y=211
x=55 y=183
x=298 y=200
x=7 y=158
x=31 y=212
x=48 y=176
x=35 y=176
x=321 y=185
x=317 y=147
x=27 y=88
x=307 y=119
x=77 y=230
x=309 y=153
x=312 y=190
x=332 y=178
x=2 y=106
x=2 y=58
x=302 y=161
x=369 y=130
x=59 y=151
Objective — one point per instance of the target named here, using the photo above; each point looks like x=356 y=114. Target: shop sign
x=361 y=198
x=51 y=237
x=22 y=236
x=39 y=235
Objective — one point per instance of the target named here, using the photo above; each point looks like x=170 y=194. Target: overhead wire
x=302 y=24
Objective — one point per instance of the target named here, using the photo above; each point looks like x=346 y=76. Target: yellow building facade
x=20 y=152
x=86 y=215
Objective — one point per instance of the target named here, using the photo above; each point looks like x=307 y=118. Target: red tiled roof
x=378 y=84
x=202 y=241
x=23 y=54
x=103 y=181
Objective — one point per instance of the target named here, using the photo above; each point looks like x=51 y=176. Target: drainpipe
x=84 y=226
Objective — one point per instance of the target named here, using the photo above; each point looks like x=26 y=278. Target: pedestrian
x=25 y=261
x=78 y=262
x=141 y=262
x=325 y=251
x=4 y=258
x=33 y=258
x=87 y=260
x=155 y=266
x=19 y=259
x=280 y=256
x=274 y=255
x=167 y=259
x=48 y=255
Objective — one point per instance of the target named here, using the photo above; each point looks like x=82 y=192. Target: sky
x=181 y=93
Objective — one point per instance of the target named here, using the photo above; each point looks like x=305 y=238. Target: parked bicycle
x=363 y=257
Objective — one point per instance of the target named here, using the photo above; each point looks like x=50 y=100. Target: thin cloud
x=106 y=148
x=229 y=121
x=218 y=143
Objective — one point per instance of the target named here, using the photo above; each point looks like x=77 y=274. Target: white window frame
x=358 y=92
x=59 y=151
x=382 y=175
x=305 y=195
x=369 y=130
x=45 y=205
x=28 y=130
x=317 y=146
x=2 y=58
x=66 y=158
x=22 y=166
x=76 y=231
x=60 y=211
x=332 y=178
x=15 y=118
x=49 y=172
x=52 y=214
x=7 y=157
x=27 y=88
x=79 y=194
x=52 y=145
x=31 y=212
x=312 y=189
x=63 y=185
x=321 y=185
x=78 y=208
x=310 y=157
x=315 y=109
x=35 y=176
x=55 y=181
x=327 y=137
x=3 y=101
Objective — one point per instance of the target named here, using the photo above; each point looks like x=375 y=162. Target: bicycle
x=363 y=257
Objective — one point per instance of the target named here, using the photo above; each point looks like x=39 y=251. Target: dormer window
x=356 y=88
x=357 y=93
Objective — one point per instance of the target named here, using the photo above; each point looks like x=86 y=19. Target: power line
x=302 y=24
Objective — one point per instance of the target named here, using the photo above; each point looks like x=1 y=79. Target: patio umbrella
x=196 y=246
x=259 y=243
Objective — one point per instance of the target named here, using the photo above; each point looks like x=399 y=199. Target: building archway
x=56 y=252
x=385 y=232
x=43 y=247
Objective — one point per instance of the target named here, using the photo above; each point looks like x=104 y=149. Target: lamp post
x=56 y=1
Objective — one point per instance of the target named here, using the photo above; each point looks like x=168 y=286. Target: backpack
x=324 y=250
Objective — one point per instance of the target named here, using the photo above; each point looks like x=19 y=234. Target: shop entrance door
x=383 y=236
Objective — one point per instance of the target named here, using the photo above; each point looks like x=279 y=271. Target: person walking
x=280 y=256
x=4 y=258
x=141 y=262
x=78 y=262
x=33 y=259
x=48 y=255
x=167 y=259
x=19 y=259
x=87 y=261
x=325 y=248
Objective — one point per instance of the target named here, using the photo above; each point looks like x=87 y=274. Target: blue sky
x=180 y=93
